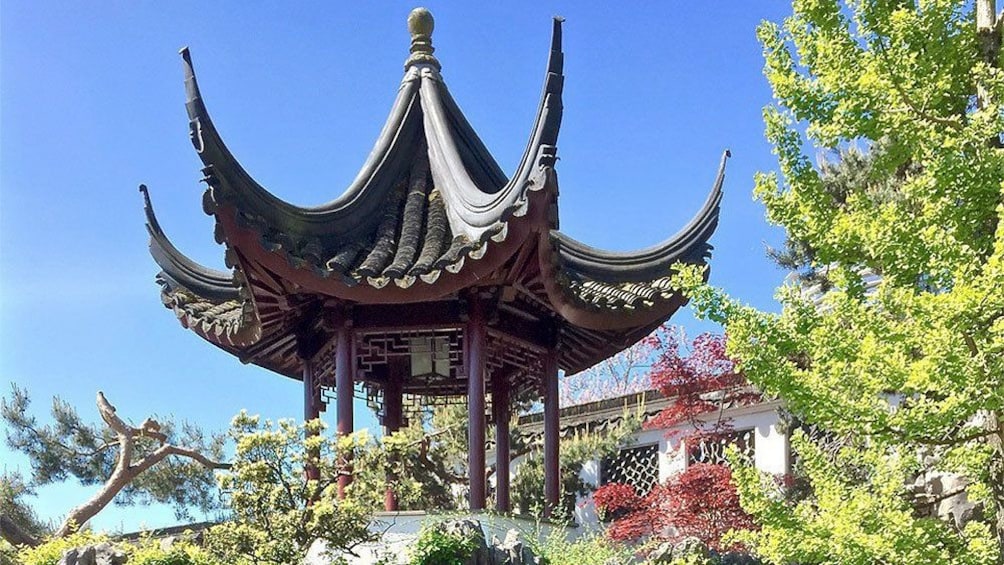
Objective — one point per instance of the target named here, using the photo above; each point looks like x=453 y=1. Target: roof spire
x=421 y=24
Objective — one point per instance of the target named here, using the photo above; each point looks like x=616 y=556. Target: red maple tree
x=702 y=501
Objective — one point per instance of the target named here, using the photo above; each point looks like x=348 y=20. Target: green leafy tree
x=914 y=364
x=155 y=461
x=276 y=513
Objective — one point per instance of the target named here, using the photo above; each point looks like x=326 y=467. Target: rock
x=946 y=496
x=662 y=554
x=471 y=530
x=512 y=551
x=690 y=547
x=99 y=554
x=167 y=544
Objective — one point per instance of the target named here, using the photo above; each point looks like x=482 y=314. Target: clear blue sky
x=93 y=105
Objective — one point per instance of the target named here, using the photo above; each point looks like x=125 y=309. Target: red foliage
x=701 y=502
x=615 y=497
x=701 y=379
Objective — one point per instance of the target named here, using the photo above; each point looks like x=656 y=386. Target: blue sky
x=93 y=105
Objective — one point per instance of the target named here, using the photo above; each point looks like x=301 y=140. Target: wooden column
x=552 y=468
x=393 y=417
x=474 y=346
x=500 y=415
x=344 y=394
x=311 y=411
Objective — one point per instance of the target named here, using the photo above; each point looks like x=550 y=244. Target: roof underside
x=429 y=215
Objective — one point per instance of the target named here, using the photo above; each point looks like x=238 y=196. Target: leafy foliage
x=701 y=380
x=588 y=549
x=276 y=512
x=52 y=550
x=915 y=363
x=181 y=552
x=700 y=502
x=435 y=546
x=575 y=451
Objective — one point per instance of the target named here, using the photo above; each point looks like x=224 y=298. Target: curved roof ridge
x=688 y=244
x=205 y=281
x=220 y=161
x=472 y=182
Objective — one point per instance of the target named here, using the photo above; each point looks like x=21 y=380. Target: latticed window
x=713 y=451
x=635 y=466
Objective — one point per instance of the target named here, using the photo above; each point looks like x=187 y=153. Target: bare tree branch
x=125 y=469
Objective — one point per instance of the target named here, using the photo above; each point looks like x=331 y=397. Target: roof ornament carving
x=420 y=25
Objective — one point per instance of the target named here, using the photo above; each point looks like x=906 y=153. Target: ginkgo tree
x=908 y=369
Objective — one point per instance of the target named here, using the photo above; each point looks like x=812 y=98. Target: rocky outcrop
x=98 y=554
x=510 y=551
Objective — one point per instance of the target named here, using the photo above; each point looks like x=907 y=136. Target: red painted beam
x=393 y=407
x=475 y=350
x=552 y=467
x=343 y=394
x=500 y=415
x=311 y=411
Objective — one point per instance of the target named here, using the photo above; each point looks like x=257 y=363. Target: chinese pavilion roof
x=429 y=216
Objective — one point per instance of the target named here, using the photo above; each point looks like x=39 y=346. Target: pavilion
x=433 y=277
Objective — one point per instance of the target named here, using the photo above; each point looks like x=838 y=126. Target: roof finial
x=421 y=24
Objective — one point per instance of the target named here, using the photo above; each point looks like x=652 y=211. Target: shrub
x=49 y=552
x=701 y=502
x=555 y=549
x=436 y=546
x=150 y=552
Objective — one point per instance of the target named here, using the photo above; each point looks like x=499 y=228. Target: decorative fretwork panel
x=635 y=466
x=713 y=451
x=434 y=353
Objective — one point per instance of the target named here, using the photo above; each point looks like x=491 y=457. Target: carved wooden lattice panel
x=713 y=452
x=635 y=466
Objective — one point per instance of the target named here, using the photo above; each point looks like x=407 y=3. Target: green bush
x=146 y=552
x=591 y=549
x=436 y=547
x=149 y=552
x=52 y=550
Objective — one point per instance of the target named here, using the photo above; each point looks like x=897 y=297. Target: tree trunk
x=14 y=534
x=125 y=471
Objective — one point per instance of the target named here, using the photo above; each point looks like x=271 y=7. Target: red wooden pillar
x=474 y=344
x=343 y=395
x=393 y=417
x=552 y=468
x=500 y=415
x=311 y=411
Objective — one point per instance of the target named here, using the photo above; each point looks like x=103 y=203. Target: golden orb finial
x=420 y=25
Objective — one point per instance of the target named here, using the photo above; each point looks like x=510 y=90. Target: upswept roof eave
x=196 y=278
x=690 y=244
x=366 y=191
x=603 y=290
x=207 y=301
